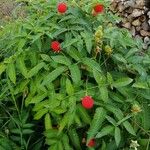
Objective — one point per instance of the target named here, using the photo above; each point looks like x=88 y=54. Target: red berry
x=55 y=46
x=91 y=143
x=62 y=7
x=87 y=102
x=99 y=8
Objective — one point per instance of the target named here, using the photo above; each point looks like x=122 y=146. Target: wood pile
x=136 y=18
x=10 y=9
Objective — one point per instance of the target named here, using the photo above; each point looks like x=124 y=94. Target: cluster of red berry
x=91 y=143
x=62 y=8
x=87 y=101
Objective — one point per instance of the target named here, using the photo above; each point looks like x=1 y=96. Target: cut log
x=144 y=33
x=136 y=22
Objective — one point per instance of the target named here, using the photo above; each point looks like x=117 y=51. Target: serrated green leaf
x=38 y=42
x=60 y=146
x=75 y=54
x=40 y=105
x=51 y=133
x=40 y=114
x=68 y=17
x=83 y=114
x=140 y=85
x=101 y=80
x=2 y=68
x=99 y=77
x=72 y=112
x=117 y=136
x=146 y=116
x=51 y=142
x=96 y=123
x=45 y=57
x=65 y=141
x=69 y=87
x=64 y=122
x=104 y=93
x=11 y=71
x=75 y=73
x=88 y=41
x=129 y=128
x=120 y=58
x=53 y=75
x=59 y=110
x=21 y=44
x=79 y=28
x=72 y=103
x=109 y=78
x=105 y=131
x=27 y=131
x=77 y=120
x=48 y=123
x=58 y=32
x=38 y=98
x=116 y=111
x=79 y=44
x=111 y=120
x=131 y=52
x=21 y=65
x=122 y=82
x=69 y=43
x=91 y=63
x=16 y=131
x=116 y=97
x=62 y=60
x=54 y=147
x=33 y=58
x=103 y=147
x=28 y=99
x=21 y=87
x=28 y=125
x=124 y=119
x=75 y=139
x=8 y=60
x=119 y=115
x=35 y=70
x=68 y=38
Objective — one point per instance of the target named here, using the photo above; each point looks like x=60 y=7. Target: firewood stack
x=136 y=18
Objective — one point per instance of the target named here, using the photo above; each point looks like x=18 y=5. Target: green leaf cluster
x=43 y=89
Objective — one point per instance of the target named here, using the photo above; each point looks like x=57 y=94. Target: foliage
x=96 y=58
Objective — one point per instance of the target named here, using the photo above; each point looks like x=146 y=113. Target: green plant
x=16 y=125
x=94 y=58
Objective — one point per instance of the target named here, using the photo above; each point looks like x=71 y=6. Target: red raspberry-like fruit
x=62 y=7
x=99 y=8
x=55 y=46
x=87 y=102
x=91 y=143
